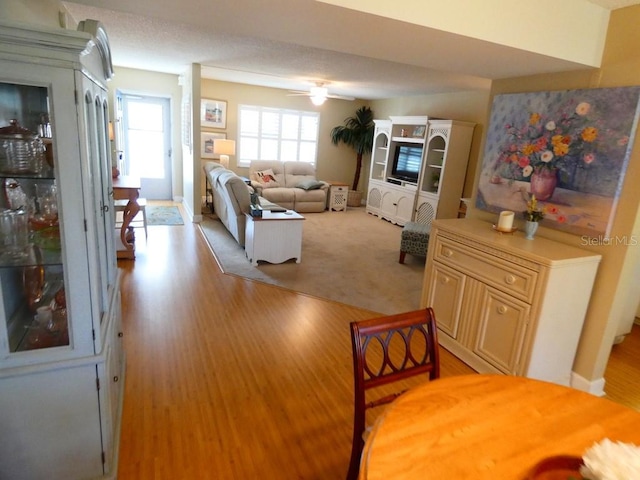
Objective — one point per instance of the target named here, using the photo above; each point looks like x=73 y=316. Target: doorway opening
x=145 y=130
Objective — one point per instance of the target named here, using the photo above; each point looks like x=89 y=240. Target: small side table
x=275 y=237
x=338 y=196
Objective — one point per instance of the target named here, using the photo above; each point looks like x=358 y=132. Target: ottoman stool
x=414 y=240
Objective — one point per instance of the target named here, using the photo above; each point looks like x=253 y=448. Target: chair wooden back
x=385 y=350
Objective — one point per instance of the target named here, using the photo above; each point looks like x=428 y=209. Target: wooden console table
x=127 y=188
x=275 y=237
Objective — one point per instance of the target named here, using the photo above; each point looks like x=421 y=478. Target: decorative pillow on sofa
x=309 y=185
x=267 y=178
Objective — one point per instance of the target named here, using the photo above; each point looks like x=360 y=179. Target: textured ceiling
x=291 y=44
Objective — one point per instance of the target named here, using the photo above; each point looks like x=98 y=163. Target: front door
x=147 y=144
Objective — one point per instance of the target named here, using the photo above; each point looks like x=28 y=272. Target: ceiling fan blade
x=297 y=93
x=341 y=97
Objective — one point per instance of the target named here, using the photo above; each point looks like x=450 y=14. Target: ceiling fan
x=318 y=94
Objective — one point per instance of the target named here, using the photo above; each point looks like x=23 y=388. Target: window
x=277 y=134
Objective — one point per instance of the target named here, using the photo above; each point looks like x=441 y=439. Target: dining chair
x=385 y=350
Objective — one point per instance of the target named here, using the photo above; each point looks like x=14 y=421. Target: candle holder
x=503 y=230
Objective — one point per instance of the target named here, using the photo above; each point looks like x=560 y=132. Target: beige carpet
x=349 y=257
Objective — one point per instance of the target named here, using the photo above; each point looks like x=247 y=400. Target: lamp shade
x=224 y=147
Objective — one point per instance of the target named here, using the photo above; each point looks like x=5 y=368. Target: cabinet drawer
x=507 y=277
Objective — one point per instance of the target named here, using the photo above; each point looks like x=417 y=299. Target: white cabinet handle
x=502 y=309
x=510 y=279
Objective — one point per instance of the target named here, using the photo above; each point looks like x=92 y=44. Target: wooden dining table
x=127 y=188
x=488 y=427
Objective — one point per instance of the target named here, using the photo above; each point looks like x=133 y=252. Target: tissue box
x=256 y=210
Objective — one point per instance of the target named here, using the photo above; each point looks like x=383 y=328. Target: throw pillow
x=309 y=185
x=267 y=178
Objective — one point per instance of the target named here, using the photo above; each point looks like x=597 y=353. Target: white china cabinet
x=61 y=359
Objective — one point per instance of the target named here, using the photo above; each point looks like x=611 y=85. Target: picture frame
x=418 y=132
x=213 y=113
x=206 y=144
x=569 y=148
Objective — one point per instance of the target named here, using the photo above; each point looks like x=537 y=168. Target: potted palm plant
x=357 y=132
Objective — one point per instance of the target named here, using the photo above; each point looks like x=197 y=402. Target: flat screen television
x=406 y=162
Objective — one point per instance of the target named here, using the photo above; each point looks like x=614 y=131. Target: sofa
x=292 y=185
x=231 y=198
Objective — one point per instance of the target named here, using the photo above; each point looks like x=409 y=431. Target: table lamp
x=224 y=148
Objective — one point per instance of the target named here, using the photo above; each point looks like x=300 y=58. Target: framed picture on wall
x=213 y=113
x=206 y=143
x=569 y=148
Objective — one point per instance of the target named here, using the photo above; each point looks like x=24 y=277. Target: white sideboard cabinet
x=505 y=304
x=61 y=355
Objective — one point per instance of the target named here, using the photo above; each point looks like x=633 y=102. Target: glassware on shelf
x=14 y=233
x=46 y=207
x=14 y=194
x=22 y=151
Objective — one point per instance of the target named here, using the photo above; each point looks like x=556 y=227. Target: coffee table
x=275 y=237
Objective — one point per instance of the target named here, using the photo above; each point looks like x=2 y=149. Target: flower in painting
x=589 y=134
x=583 y=108
x=546 y=156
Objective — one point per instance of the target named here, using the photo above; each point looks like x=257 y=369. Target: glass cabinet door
x=99 y=198
x=31 y=268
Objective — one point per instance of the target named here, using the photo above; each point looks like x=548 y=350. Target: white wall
x=573 y=30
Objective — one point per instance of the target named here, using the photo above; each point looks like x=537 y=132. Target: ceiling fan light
x=318 y=95
x=317 y=100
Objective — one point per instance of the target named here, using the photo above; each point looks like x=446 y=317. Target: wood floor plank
x=229 y=378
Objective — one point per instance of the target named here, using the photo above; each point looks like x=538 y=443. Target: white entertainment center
x=418 y=168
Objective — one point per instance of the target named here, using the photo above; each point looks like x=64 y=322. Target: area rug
x=161 y=215
x=349 y=257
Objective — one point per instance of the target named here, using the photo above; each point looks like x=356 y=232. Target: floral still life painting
x=569 y=149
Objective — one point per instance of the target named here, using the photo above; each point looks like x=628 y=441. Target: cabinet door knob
x=116 y=378
x=447 y=253
x=120 y=334
x=510 y=279
x=444 y=280
x=502 y=309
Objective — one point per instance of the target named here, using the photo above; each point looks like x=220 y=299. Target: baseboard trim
x=595 y=387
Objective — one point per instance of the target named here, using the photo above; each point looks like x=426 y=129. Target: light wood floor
x=232 y=379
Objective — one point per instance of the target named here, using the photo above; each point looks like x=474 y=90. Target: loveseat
x=292 y=185
x=231 y=198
